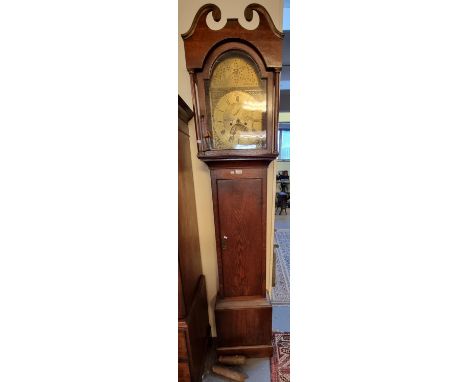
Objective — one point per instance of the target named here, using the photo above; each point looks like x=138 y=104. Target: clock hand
x=233 y=129
x=233 y=132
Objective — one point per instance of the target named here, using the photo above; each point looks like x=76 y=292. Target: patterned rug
x=280 y=292
x=279 y=363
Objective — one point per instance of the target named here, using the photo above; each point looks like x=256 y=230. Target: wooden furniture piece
x=194 y=328
x=282 y=202
x=284 y=185
x=283 y=180
x=235 y=78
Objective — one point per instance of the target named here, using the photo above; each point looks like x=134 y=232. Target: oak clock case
x=235 y=90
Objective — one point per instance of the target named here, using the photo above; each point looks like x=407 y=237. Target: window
x=283 y=141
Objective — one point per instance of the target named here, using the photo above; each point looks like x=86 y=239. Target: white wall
x=201 y=175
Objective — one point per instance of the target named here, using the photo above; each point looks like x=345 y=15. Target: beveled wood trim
x=216 y=155
x=243 y=302
x=185 y=112
x=259 y=351
x=255 y=158
x=238 y=162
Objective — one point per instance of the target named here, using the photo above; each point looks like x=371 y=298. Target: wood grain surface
x=239 y=198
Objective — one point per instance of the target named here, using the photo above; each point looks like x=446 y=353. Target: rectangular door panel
x=240 y=208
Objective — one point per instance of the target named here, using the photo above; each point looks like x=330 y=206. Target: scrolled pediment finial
x=263 y=14
x=201 y=16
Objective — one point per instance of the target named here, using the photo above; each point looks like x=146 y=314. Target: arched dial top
x=237 y=96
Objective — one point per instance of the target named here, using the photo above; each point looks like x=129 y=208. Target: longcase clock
x=235 y=89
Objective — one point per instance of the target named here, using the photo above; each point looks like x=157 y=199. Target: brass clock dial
x=237 y=121
x=238 y=104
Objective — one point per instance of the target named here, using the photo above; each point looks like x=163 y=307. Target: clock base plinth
x=243 y=325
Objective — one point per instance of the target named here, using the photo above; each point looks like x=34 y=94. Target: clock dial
x=237 y=104
x=237 y=120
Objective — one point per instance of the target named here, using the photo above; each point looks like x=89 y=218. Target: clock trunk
x=243 y=309
x=239 y=195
